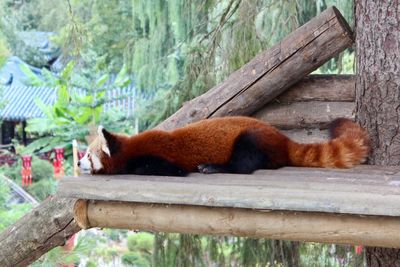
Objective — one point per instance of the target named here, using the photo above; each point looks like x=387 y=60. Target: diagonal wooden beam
x=271 y=72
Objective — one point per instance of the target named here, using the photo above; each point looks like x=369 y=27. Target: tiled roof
x=12 y=74
x=20 y=102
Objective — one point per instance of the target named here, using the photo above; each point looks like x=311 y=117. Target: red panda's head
x=100 y=155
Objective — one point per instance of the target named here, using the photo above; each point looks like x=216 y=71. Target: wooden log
x=300 y=115
x=307 y=136
x=49 y=225
x=271 y=72
x=295 y=189
x=340 y=88
x=286 y=225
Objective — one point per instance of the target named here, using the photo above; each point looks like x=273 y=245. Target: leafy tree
x=4 y=52
x=79 y=104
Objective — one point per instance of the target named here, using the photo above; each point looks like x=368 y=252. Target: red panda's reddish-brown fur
x=349 y=146
x=213 y=140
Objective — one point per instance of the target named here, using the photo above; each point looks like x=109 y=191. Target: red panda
x=228 y=144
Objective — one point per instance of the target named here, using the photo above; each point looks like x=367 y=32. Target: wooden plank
x=295 y=189
x=307 y=135
x=271 y=72
x=300 y=226
x=302 y=115
x=321 y=88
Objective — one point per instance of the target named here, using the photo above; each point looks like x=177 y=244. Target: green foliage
x=133 y=258
x=315 y=254
x=42 y=177
x=9 y=213
x=140 y=247
x=69 y=117
x=41 y=170
x=42 y=189
x=91 y=263
x=115 y=235
x=4 y=192
x=12 y=214
x=32 y=15
x=182 y=49
x=4 y=52
x=140 y=242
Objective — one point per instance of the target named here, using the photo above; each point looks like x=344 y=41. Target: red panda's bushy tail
x=349 y=146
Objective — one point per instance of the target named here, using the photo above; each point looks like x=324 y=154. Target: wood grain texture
x=301 y=115
x=286 y=225
x=321 y=88
x=378 y=91
x=49 y=225
x=306 y=136
x=271 y=72
x=294 y=189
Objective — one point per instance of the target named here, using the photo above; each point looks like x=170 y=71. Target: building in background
x=19 y=98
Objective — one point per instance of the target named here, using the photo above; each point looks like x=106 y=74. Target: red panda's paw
x=211 y=168
x=205 y=168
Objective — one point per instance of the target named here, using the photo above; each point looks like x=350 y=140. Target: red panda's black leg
x=152 y=165
x=247 y=156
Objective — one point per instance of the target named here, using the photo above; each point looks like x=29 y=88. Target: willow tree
x=183 y=48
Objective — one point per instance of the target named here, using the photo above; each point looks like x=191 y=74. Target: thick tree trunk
x=49 y=225
x=378 y=91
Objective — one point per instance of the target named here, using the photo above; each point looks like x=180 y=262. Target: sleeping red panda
x=229 y=145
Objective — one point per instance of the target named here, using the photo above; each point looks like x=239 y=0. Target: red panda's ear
x=112 y=144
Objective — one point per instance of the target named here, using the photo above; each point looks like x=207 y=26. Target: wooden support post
x=271 y=72
x=75 y=157
x=286 y=225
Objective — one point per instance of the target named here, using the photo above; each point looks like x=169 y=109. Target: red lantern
x=358 y=249
x=26 y=171
x=58 y=162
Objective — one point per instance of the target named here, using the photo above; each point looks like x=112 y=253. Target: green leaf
x=47 y=110
x=49 y=77
x=83 y=118
x=63 y=97
x=67 y=71
x=38 y=144
x=122 y=79
x=102 y=80
x=38 y=125
x=32 y=79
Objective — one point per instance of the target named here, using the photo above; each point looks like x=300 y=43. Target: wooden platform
x=365 y=190
x=355 y=206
